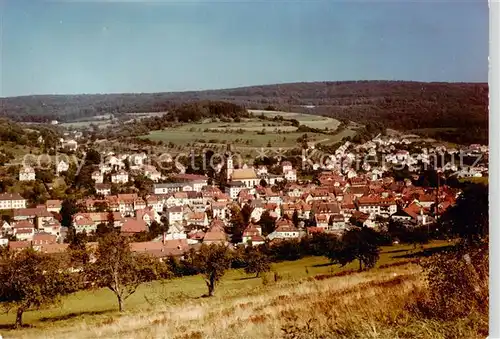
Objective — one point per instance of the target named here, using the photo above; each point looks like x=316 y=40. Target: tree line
x=400 y=105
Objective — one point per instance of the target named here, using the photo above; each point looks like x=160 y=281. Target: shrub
x=457 y=284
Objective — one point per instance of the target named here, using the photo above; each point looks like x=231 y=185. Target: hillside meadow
x=244 y=306
x=253 y=133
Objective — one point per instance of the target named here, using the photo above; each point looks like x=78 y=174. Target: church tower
x=229 y=165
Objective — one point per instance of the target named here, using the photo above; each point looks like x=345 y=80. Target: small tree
x=213 y=261
x=267 y=223
x=256 y=262
x=68 y=209
x=30 y=279
x=246 y=212
x=77 y=250
x=120 y=270
x=358 y=244
x=237 y=224
x=295 y=218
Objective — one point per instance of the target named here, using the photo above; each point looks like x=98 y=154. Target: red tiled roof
x=133 y=226
x=44 y=238
x=53 y=203
x=19 y=245
x=23 y=224
x=31 y=212
x=190 y=177
x=257 y=238
x=314 y=230
x=215 y=235
x=11 y=196
x=196 y=235
x=197 y=216
x=53 y=248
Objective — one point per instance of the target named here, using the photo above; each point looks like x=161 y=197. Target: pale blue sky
x=69 y=47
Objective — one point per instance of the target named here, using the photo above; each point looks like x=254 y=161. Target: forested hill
x=450 y=108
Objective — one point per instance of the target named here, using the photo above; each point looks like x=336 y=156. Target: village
x=194 y=210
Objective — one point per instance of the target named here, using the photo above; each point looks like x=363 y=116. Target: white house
x=253 y=234
x=219 y=210
x=27 y=174
x=152 y=173
x=234 y=188
x=175 y=231
x=121 y=177
x=98 y=177
x=62 y=166
x=137 y=160
x=175 y=215
x=284 y=230
x=104 y=189
x=70 y=144
x=168 y=188
x=23 y=230
x=286 y=166
x=5 y=228
x=291 y=175
x=377 y=206
x=261 y=170
x=10 y=201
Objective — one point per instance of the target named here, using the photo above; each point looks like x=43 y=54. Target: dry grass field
x=312 y=299
x=372 y=304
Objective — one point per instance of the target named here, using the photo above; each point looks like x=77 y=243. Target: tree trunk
x=120 y=303
x=210 y=289
x=211 y=286
x=360 y=265
x=19 y=317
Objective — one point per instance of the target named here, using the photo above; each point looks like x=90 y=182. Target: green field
x=252 y=133
x=315 y=121
x=247 y=138
x=98 y=305
x=106 y=120
x=475 y=180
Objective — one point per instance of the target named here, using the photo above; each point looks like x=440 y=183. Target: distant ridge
x=404 y=105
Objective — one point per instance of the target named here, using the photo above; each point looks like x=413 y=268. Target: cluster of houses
x=197 y=212
x=34 y=226
x=382 y=153
x=120 y=173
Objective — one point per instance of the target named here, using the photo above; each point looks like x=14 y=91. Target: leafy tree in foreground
x=358 y=244
x=30 y=280
x=469 y=217
x=256 y=262
x=77 y=250
x=213 y=261
x=119 y=269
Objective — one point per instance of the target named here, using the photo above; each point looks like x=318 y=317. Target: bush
x=457 y=284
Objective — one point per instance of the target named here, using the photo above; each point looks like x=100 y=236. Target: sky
x=77 y=47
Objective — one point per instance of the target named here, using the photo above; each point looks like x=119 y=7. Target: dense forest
x=457 y=107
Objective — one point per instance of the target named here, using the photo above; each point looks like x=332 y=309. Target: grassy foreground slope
x=332 y=301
